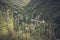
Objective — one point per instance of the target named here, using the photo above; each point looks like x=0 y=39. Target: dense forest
x=29 y=19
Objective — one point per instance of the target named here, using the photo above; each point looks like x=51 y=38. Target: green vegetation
x=27 y=23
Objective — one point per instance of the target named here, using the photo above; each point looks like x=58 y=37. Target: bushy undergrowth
x=16 y=25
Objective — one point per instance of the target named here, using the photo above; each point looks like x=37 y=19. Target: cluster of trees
x=36 y=21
